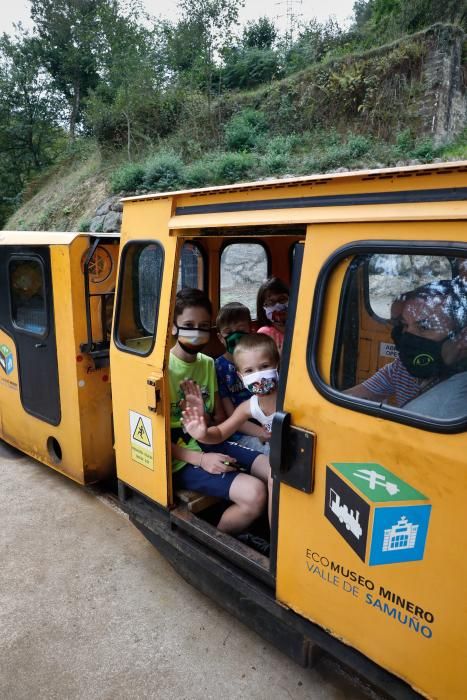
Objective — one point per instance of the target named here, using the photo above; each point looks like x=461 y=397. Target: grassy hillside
x=361 y=111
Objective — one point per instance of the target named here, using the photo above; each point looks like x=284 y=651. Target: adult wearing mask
x=430 y=335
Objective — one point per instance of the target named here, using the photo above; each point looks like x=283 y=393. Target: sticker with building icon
x=383 y=519
x=6 y=359
x=402 y=535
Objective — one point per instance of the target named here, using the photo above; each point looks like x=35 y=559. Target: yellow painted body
x=84 y=432
x=318 y=575
x=431 y=660
x=432 y=463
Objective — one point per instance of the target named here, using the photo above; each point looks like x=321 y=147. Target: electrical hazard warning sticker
x=142 y=449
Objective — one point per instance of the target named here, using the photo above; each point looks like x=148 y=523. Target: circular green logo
x=423 y=360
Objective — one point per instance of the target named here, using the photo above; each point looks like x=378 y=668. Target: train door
x=27 y=323
x=138 y=351
x=371 y=515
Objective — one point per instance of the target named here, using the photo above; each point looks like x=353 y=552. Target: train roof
x=48 y=237
x=382 y=173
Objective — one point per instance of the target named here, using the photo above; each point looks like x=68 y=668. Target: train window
x=390 y=276
x=27 y=291
x=191 y=268
x=244 y=267
x=138 y=299
x=411 y=361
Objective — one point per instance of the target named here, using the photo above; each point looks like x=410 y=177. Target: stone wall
x=108 y=216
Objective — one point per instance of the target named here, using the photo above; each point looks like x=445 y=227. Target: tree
x=260 y=34
x=249 y=68
x=377 y=21
x=314 y=42
x=213 y=20
x=68 y=41
x=132 y=74
x=30 y=113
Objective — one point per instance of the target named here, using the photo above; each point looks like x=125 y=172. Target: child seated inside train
x=256 y=359
x=209 y=469
x=233 y=323
x=272 y=304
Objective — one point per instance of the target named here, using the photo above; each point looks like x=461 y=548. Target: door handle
x=279 y=430
x=292 y=453
x=40 y=345
x=153 y=393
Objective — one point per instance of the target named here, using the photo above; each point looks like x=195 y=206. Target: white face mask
x=193 y=336
x=277 y=312
x=262 y=382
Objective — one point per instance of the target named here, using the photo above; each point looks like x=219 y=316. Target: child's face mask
x=277 y=313
x=192 y=340
x=232 y=339
x=262 y=382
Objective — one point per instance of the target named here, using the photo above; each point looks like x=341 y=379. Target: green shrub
x=232 y=167
x=251 y=67
x=282 y=145
x=128 y=177
x=164 y=171
x=456 y=149
x=404 y=142
x=357 y=146
x=201 y=173
x=275 y=163
x=244 y=129
x=424 y=151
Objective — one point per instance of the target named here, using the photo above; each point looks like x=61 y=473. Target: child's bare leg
x=249 y=500
x=262 y=469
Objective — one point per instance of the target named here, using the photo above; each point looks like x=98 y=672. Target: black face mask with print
x=420 y=356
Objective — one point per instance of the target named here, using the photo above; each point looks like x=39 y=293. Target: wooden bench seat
x=194 y=501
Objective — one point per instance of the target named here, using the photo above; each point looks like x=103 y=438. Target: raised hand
x=193 y=395
x=194 y=422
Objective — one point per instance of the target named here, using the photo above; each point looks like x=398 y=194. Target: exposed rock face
x=444 y=103
x=108 y=216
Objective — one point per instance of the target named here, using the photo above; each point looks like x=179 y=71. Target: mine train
x=367 y=534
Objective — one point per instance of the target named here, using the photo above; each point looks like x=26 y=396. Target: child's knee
x=261 y=468
x=257 y=496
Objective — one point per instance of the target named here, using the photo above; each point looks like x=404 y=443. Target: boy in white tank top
x=257 y=360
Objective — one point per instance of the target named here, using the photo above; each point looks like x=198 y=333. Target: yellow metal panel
x=130 y=372
x=318 y=573
x=319 y=215
x=92 y=387
x=31 y=434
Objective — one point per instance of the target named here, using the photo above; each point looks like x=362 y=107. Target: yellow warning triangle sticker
x=140 y=433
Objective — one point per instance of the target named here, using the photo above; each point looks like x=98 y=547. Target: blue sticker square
x=399 y=534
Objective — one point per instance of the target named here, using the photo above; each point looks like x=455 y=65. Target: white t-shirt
x=257 y=413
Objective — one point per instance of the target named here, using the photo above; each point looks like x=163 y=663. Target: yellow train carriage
x=55 y=312
x=368 y=516
x=366 y=540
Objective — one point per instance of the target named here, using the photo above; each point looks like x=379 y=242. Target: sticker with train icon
x=6 y=359
x=383 y=519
